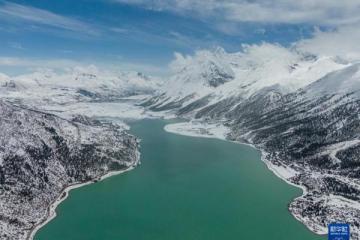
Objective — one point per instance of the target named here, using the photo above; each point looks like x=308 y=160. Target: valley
x=300 y=110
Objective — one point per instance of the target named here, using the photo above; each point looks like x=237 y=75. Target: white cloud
x=322 y=12
x=342 y=42
x=16 y=12
x=225 y=15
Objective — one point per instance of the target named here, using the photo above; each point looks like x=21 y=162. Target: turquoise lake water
x=185 y=189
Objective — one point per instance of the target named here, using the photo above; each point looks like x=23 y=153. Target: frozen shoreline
x=65 y=193
x=193 y=129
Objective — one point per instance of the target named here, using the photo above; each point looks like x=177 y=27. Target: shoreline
x=51 y=209
x=208 y=133
x=171 y=128
x=273 y=169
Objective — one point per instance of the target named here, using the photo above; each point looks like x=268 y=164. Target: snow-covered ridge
x=243 y=74
x=78 y=83
x=343 y=81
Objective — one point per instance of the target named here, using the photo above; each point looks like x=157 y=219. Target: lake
x=186 y=188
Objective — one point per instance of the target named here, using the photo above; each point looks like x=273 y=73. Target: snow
x=124 y=110
x=339 y=201
x=343 y=81
x=335 y=148
x=198 y=129
x=283 y=172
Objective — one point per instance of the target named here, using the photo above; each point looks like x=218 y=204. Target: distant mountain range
x=75 y=85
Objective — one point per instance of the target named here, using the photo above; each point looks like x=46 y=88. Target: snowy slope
x=339 y=82
x=240 y=75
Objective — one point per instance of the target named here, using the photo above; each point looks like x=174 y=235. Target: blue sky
x=143 y=35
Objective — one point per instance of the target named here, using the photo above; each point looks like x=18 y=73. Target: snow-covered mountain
x=301 y=110
x=239 y=75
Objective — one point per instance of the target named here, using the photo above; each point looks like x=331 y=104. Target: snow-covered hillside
x=300 y=109
x=42 y=154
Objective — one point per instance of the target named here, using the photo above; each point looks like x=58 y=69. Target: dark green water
x=186 y=189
